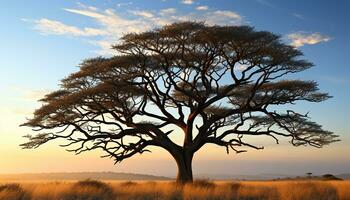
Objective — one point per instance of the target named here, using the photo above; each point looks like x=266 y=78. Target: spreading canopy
x=209 y=84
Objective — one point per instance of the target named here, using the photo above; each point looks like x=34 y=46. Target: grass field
x=163 y=190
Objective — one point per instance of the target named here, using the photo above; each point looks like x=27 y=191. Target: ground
x=168 y=190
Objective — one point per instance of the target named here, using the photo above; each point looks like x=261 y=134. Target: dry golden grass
x=165 y=190
x=13 y=191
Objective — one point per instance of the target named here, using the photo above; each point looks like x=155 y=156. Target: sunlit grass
x=166 y=190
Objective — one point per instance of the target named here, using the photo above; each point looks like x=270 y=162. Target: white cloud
x=47 y=26
x=228 y=14
x=300 y=39
x=187 y=2
x=81 y=5
x=111 y=25
x=18 y=103
x=29 y=94
x=202 y=8
x=35 y=94
x=88 y=13
x=124 y=4
x=241 y=67
x=142 y=13
x=221 y=17
x=105 y=46
x=168 y=11
x=111 y=22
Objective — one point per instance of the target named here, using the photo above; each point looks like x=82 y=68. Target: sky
x=44 y=41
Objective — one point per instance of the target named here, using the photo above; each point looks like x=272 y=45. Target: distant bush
x=90 y=190
x=91 y=183
x=13 y=192
x=128 y=184
x=330 y=177
x=205 y=183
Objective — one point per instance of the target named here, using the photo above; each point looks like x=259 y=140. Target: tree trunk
x=184 y=165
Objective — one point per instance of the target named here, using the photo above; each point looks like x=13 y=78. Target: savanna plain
x=168 y=190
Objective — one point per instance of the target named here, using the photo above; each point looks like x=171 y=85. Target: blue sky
x=44 y=41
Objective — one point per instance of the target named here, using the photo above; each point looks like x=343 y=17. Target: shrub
x=203 y=183
x=90 y=190
x=128 y=184
x=330 y=177
x=13 y=192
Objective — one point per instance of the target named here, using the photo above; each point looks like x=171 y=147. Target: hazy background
x=44 y=41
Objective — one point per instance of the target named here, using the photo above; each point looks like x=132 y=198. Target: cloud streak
x=52 y=27
x=111 y=25
x=300 y=39
x=168 y=11
x=187 y=2
x=142 y=13
x=202 y=8
x=227 y=14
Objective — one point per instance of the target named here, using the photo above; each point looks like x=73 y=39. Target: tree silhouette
x=206 y=84
x=308 y=174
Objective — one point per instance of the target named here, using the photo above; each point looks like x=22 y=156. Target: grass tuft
x=90 y=190
x=13 y=192
x=165 y=190
x=204 y=183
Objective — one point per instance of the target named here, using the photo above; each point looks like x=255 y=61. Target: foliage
x=211 y=84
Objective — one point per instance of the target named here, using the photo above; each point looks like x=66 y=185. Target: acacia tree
x=208 y=84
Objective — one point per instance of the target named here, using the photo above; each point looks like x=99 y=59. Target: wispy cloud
x=202 y=8
x=29 y=94
x=89 y=13
x=188 y=2
x=20 y=102
x=299 y=16
x=227 y=14
x=124 y=4
x=35 y=94
x=81 y=5
x=168 y=11
x=241 y=67
x=300 y=39
x=47 y=27
x=142 y=13
x=111 y=25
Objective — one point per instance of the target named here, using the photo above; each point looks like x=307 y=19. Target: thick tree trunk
x=184 y=165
